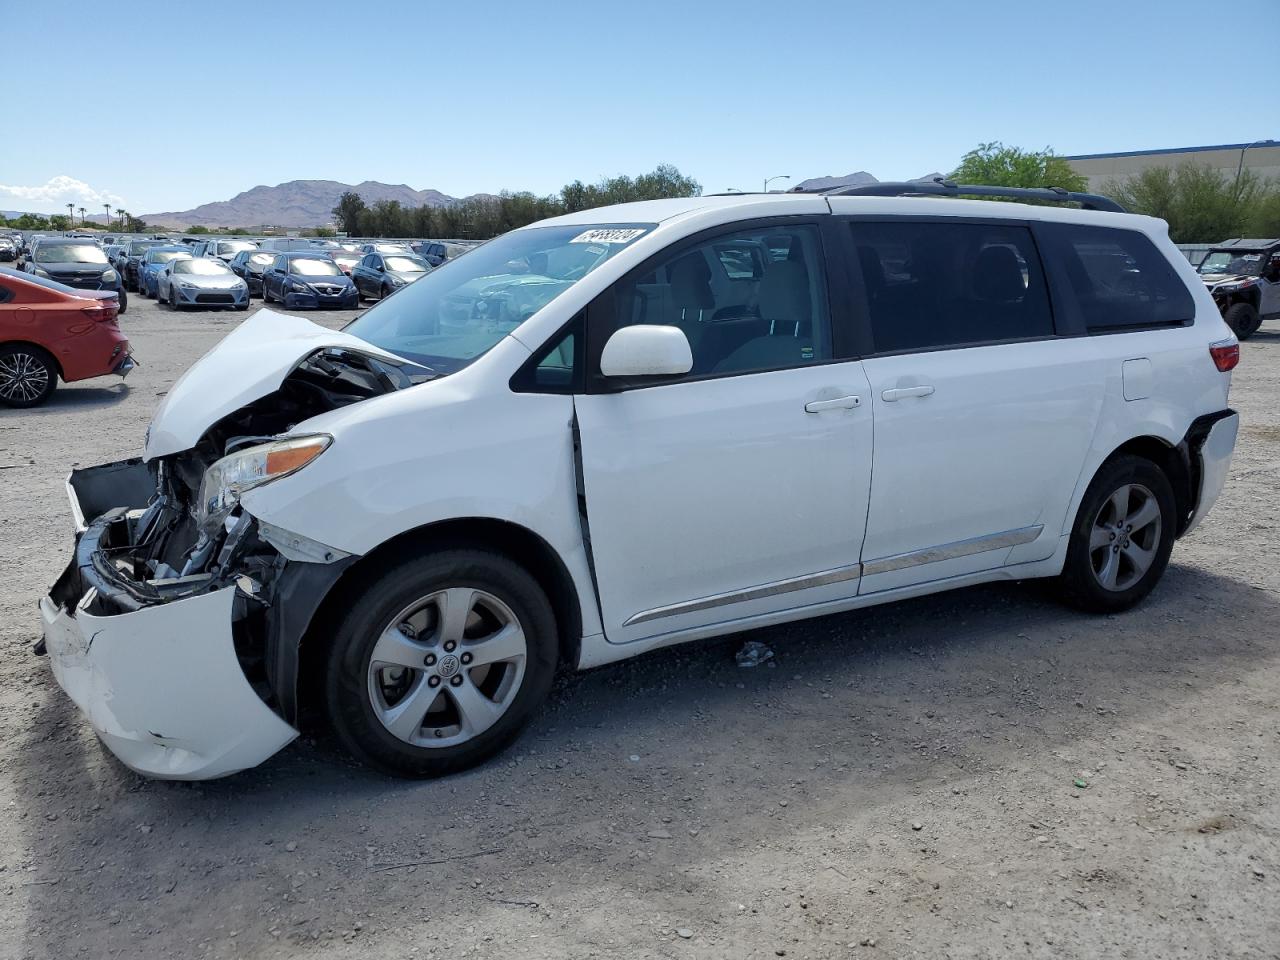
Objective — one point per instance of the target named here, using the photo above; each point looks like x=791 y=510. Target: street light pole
x=1240 y=165
x=769 y=180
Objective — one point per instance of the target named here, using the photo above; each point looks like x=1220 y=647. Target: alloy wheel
x=1125 y=537
x=24 y=377
x=447 y=667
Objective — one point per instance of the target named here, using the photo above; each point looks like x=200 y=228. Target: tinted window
x=1120 y=279
x=931 y=285
x=740 y=309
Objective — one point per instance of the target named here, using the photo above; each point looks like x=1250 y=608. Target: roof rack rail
x=940 y=187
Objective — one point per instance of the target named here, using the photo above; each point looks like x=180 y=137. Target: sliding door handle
x=902 y=393
x=839 y=403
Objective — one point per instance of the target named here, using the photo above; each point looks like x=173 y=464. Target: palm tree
x=120 y=216
x=107 y=207
x=82 y=216
x=71 y=212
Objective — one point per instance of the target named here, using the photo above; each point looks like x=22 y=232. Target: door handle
x=839 y=403
x=902 y=393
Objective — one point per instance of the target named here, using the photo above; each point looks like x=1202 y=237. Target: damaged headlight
x=251 y=467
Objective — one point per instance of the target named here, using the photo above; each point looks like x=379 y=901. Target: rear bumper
x=159 y=680
x=1214 y=459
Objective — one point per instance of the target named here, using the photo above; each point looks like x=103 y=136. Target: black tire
x=24 y=357
x=398 y=584
x=266 y=297
x=173 y=299
x=242 y=306
x=1243 y=320
x=384 y=292
x=124 y=301
x=1079 y=584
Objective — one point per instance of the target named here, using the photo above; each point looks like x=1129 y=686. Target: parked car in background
x=223 y=249
x=50 y=330
x=286 y=244
x=308 y=280
x=153 y=262
x=200 y=282
x=395 y=516
x=136 y=250
x=378 y=275
x=432 y=251
x=1243 y=277
x=249 y=265
x=77 y=263
x=385 y=246
x=8 y=250
x=346 y=259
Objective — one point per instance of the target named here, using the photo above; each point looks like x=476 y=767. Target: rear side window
x=1119 y=278
x=932 y=284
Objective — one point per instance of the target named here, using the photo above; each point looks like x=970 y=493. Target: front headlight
x=228 y=478
x=42 y=273
x=187 y=286
x=297 y=287
x=110 y=277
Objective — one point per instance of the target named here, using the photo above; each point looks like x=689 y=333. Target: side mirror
x=380 y=268
x=647 y=350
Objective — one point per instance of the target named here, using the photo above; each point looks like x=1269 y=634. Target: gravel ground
x=902 y=783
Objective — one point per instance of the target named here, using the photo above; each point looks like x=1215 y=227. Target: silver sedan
x=200 y=283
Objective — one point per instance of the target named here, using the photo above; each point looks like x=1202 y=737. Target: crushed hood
x=247 y=365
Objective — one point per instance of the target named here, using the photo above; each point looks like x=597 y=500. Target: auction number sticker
x=603 y=235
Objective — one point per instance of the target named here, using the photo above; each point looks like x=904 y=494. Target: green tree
x=1264 y=219
x=995 y=164
x=1200 y=204
x=348 y=212
x=197 y=230
x=60 y=221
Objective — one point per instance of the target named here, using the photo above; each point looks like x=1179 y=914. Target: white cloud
x=53 y=196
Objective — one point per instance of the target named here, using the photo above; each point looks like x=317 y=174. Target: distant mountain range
x=298 y=203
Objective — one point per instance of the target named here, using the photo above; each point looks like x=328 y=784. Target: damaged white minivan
x=627 y=428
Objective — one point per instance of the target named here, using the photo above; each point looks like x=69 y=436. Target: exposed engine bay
x=147 y=540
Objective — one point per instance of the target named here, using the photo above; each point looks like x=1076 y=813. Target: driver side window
x=747 y=301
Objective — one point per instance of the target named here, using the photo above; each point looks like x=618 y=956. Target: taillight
x=1226 y=354
x=103 y=312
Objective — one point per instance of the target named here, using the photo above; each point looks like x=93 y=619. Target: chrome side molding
x=946 y=551
x=835 y=575
x=950 y=551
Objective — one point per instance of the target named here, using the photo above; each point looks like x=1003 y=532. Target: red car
x=49 y=330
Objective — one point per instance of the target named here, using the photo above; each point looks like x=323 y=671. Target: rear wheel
x=28 y=376
x=124 y=300
x=1243 y=320
x=1122 y=537
x=440 y=662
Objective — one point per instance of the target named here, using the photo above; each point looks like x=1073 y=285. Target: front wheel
x=440 y=662
x=1122 y=537
x=1243 y=320
x=124 y=301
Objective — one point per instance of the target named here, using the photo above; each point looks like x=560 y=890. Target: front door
x=740 y=490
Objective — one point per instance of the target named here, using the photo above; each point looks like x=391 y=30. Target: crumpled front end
x=169 y=638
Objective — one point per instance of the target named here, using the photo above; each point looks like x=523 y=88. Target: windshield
x=407 y=265
x=69 y=253
x=306 y=267
x=1246 y=262
x=390 y=248
x=204 y=268
x=232 y=247
x=142 y=246
x=263 y=258
x=460 y=310
x=164 y=256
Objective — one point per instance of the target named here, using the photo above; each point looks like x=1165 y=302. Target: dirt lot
x=901 y=784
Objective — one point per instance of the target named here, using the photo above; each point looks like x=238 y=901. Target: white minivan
x=627 y=428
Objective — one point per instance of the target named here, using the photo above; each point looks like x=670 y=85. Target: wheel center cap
x=448 y=666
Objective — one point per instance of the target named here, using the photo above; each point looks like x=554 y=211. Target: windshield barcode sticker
x=607 y=236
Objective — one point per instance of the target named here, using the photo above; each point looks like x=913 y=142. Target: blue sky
x=479 y=96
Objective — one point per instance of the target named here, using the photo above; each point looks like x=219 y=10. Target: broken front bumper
x=160 y=682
